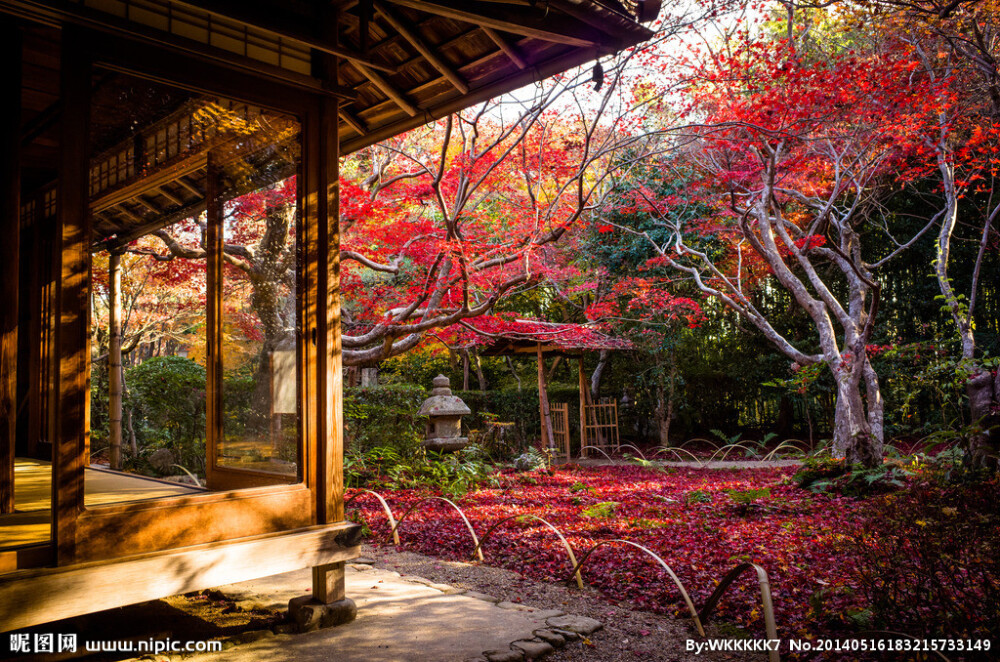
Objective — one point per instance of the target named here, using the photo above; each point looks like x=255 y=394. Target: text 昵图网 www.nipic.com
x=48 y=642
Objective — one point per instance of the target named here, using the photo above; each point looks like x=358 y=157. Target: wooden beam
x=124 y=238
x=507 y=49
x=72 y=299
x=168 y=195
x=412 y=36
x=63 y=11
x=173 y=172
x=191 y=188
x=10 y=223
x=539 y=71
x=329 y=583
x=32 y=597
x=528 y=24
x=353 y=122
x=597 y=16
x=115 y=360
x=147 y=204
x=387 y=88
x=36 y=332
x=272 y=21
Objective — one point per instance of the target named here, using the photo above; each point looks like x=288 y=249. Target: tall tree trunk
x=115 y=374
x=465 y=370
x=369 y=377
x=854 y=440
x=552 y=371
x=665 y=393
x=510 y=364
x=477 y=363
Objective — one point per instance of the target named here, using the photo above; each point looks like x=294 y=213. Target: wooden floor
x=30 y=523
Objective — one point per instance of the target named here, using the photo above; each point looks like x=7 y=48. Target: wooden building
x=130 y=118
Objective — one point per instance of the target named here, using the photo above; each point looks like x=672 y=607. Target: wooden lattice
x=601 y=426
x=560 y=426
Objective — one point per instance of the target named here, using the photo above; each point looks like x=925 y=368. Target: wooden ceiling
x=397 y=64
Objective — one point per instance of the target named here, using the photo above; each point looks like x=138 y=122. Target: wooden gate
x=600 y=428
x=560 y=426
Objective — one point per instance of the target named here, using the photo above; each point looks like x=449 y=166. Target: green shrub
x=167 y=400
x=831 y=475
x=384 y=416
x=452 y=474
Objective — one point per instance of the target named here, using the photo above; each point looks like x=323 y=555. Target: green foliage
x=384 y=416
x=747 y=497
x=817 y=468
x=451 y=474
x=240 y=416
x=824 y=474
x=167 y=400
x=698 y=496
x=602 y=509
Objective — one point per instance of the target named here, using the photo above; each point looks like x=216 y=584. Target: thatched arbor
x=567 y=341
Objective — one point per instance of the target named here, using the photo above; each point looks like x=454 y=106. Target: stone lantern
x=444 y=413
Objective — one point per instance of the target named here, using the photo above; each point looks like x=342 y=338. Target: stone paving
x=400 y=619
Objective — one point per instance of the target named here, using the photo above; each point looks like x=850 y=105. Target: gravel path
x=628 y=634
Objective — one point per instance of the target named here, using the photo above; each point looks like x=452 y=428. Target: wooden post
x=328 y=580
x=9 y=265
x=72 y=332
x=115 y=360
x=213 y=319
x=583 y=408
x=36 y=337
x=548 y=439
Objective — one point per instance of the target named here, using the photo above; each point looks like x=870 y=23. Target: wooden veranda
x=126 y=117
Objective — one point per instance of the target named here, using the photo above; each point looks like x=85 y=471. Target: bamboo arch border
x=697 y=617
x=724 y=451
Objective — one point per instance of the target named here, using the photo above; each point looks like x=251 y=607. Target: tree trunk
x=665 y=403
x=477 y=363
x=854 y=440
x=369 y=377
x=465 y=370
x=595 y=378
x=510 y=364
x=115 y=374
x=980 y=388
x=552 y=371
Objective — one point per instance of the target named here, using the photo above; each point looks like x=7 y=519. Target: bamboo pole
x=115 y=360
